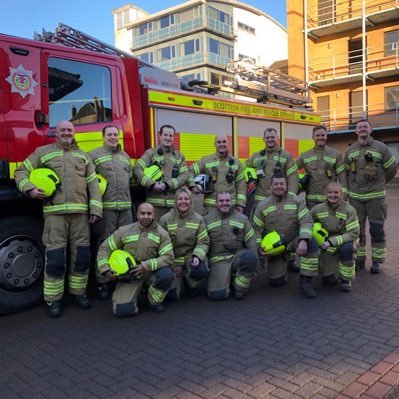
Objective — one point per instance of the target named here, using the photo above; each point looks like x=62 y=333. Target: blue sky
x=93 y=17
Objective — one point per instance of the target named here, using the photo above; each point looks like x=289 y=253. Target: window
x=147 y=57
x=391 y=43
x=78 y=92
x=391 y=98
x=145 y=28
x=167 y=20
x=189 y=47
x=220 y=48
x=166 y=53
x=186 y=15
x=246 y=28
x=219 y=15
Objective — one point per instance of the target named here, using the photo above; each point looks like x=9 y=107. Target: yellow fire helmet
x=273 y=243
x=250 y=175
x=154 y=173
x=46 y=180
x=102 y=183
x=320 y=234
x=121 y=262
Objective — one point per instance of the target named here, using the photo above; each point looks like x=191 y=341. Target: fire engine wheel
x=21 y=264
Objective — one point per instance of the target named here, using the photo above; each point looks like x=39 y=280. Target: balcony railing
x=343 y=119
x=194 y=60
x=339 y=11
x=380 y=60
x=182 y=28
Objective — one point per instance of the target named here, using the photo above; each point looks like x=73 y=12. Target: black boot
x=346 y=286
x=54 y=309
x=158 y=308
x=292 y=266
x=376 y=267
x=82 y=302
x=104 y=291
x=360 y=264
x=305 y=284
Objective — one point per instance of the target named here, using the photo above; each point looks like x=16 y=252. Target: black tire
x=21 y=234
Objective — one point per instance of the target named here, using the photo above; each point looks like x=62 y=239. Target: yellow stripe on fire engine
x=305 y=145
x=196 y=145
x=229 y=107
x=256 y=144
x=90 y=140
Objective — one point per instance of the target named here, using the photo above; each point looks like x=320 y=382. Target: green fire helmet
x=121 y=262
x=250 y=175
x=154 y=173
x=273 y=243
x=102 y=183
x=46 y=180
x=320 y=234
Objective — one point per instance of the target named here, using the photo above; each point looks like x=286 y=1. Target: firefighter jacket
x=287 y=215
x=369 y=167
x=76 y=173
x=228 y=234
x=226 y=174
x=188 y=234
x=150 y=246
x=114 y=165
x=323 y=165
x=175 y=174
x=268 y=162
x=340 y=220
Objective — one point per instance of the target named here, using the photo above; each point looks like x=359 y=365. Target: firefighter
x=151 y=248
x=287 y=215
x=173 y=169
x=272 y=160
x=67 y=215
x=232 y=254
x=114 y=165
x=190 y=241
x=339 y=219
x=322 y=164
x=369 y=165
x=225 y=173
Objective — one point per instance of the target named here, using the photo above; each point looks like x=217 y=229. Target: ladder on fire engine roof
x=71 y=37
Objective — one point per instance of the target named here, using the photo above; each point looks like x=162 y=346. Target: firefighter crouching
x=173 y=172
x=190 y=240
x=223 y=173
x=113 y=165
x=151 y=249
x=370 y=165
x=285 y=216
x=336 y=230
x=232 y=254
x=322 y=165
x=66 y=214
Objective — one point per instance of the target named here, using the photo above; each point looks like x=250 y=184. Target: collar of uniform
x=274 y=149
x=279 y=199
x=225 y=215
x=226 y=157
x=66 y=146
x=152 y=226
x=167 y=150
x=113 y=149
x=319 y=149
x=368 y=142
x=335 y=207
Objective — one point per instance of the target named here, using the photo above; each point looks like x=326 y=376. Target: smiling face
x=183 y=202
x=334 y=193
x=111 y=137
x=363 y=131
x=279 y=186
x=65 y=132
x=270 y=138
x=167 y=134
x=223 y=202
x=221 y=144
x=145 y=214
x=320 y=137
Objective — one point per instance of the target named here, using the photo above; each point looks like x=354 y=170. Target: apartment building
x=348 y=51
x=198 y=38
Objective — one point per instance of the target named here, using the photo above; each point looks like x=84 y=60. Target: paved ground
x=275 y=344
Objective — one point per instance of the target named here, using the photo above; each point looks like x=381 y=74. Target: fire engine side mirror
x=40 y=119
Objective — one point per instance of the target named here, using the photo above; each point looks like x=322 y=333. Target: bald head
x=145 y=214
x=221 y=144
x=65 y=132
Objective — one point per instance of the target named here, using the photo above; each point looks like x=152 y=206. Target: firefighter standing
x=370 y=165
x=340 y=221
x=225 y=173
x=190 y=240
x=114 y=165
x=322 y=165
x=232 y=250
x=272 y=160
x=66 y=220
x=174 y=171
x=287 y=215
x=151 y=248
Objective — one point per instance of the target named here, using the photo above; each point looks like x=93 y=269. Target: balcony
x=346 y=15
x=183 y=28
x=344 y=119
x=195 y=60
x=347 y=67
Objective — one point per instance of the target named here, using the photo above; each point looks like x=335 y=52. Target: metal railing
x=185 y=27
x=338 y=11
x=340 y=119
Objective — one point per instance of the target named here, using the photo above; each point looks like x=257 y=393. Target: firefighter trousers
x=239 y=271
x=158 y=283
x=111 y=221
x=375 y=210
x=61 y=232
x=338 y=261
